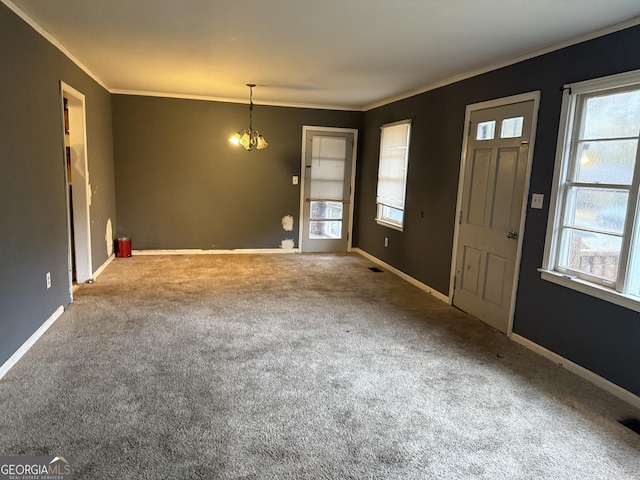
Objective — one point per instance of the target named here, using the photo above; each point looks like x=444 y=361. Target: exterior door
x=327 y=206
x=495 y=172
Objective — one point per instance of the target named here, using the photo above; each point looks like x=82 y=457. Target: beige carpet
x=301 y=367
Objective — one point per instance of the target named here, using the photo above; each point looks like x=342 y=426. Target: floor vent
x=632 y=424
x=375 y=269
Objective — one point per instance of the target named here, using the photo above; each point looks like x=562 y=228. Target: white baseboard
x=582 y=372
x=196 y=251
x=588 y=375
x=97 y=273
x=404 y=276
x=29 y=343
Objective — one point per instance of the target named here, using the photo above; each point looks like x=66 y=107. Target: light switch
x=295 y=179
x=537 y=200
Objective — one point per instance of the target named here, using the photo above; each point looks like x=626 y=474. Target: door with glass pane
x=489 y=219
x=327 y=204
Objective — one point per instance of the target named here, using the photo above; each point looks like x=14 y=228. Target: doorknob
x=512 y=234
x=307 y=199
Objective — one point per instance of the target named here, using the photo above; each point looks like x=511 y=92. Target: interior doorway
x=494 y=184
x=327 y=190
x=77 y=184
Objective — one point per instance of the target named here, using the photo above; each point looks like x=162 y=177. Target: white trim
x=212 y=98
x=582 y=372
x=559 y=170
x=499 y=102
x=474 y=73
x=570 y=114
x=404 y=276
x=412 y=93
x=81 y=184
x=619 y=80
x=13 y=359
x=525 y=206
x=352 y=196
x=384 y=223
x=47 y=36
x=383 y=158
x=101 y=268
x=195 y=251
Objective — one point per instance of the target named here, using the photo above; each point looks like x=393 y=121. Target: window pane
x=392 y=169
x=326 y=210
x=606 y=161
x=511 y=127
x=612 y=116
x=486 y=130
x=390 y=214
x=595 y=221
x=325 y=230
x=597 y=209
x=596 y=254
x=328 y=159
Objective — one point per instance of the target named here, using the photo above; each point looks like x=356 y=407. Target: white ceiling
x=334 y=53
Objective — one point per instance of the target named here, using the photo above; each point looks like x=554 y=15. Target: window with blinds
x=392 y=173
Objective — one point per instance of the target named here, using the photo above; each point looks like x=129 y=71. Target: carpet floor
x=299 y=366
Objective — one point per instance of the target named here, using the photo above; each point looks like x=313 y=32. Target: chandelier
x=249 y=137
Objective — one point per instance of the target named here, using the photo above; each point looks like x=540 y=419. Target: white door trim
x=354 y=131
x=525 y=97
x=81 y=185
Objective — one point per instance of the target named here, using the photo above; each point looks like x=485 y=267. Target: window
x=326 y=220
x=392 y=173
x=593 y=239
x=512 y=127
x=486 y=130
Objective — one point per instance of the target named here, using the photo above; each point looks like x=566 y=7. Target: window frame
x=617 y=292
x=381 y=217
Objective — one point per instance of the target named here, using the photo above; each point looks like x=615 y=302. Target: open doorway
x=77 y=185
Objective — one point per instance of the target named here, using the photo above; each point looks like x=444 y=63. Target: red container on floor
x=123 y=247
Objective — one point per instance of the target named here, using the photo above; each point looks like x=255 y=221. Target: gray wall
x=181 y=184
x=33 y=229
x=602 y=337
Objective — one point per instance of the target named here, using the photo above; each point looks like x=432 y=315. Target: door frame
x=499 y=102
x=82 y=188
x=305 y=130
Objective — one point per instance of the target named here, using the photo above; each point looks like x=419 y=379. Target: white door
x=327 y=204
x=79 y=202
x=489 y=217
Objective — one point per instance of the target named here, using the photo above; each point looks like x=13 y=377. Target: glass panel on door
x=326 y=220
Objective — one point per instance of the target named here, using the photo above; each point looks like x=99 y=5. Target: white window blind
x=392 y=172
x=327 y=172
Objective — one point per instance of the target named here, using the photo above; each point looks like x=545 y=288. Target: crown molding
x=474 y=73
x=211 y=98
x=50 y=38
x=412 y=93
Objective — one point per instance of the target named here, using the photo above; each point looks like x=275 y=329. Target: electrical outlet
x=386 y=241
x=537 y=200
x=48 y=280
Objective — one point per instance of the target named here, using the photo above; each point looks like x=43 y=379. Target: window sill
x=390 y=225
x=627 y=301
